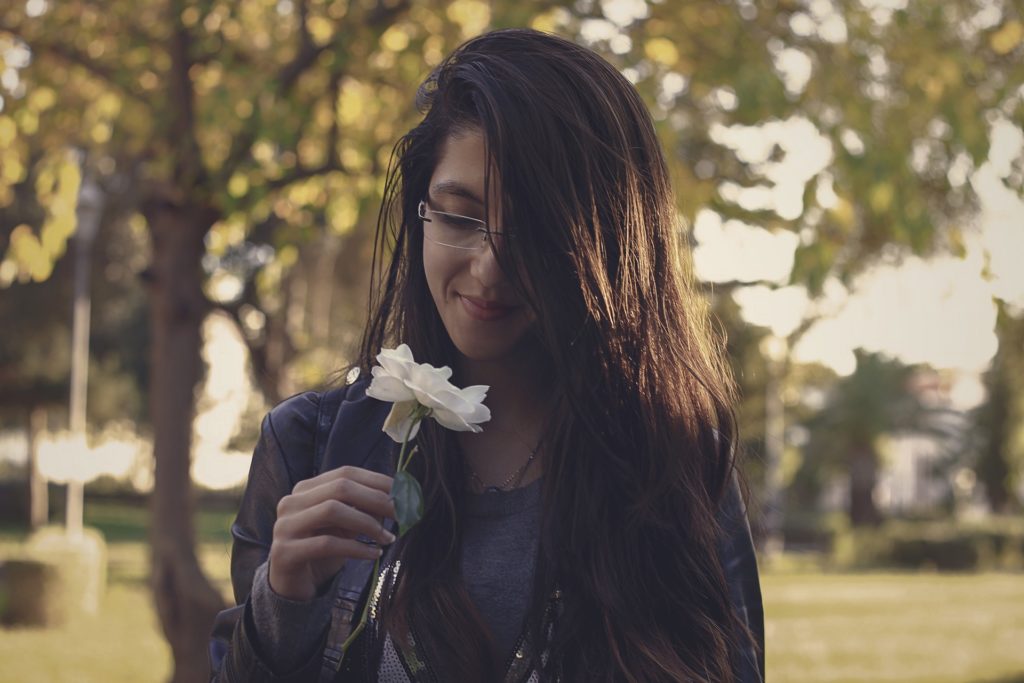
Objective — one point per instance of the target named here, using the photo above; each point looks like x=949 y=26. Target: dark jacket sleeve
x=284 y=455
x=739 y=563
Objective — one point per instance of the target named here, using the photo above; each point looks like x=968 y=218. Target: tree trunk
x=186 y=602
x=993 y=466
x=998 y=418
x=38 y=493
x=322 y=286
x=863 y=479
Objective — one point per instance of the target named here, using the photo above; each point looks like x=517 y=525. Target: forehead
x=461 y=168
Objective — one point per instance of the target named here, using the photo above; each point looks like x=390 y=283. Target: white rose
x=408 y=385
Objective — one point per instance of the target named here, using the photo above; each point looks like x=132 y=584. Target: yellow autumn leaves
x=1007 y=38
x=31 y=255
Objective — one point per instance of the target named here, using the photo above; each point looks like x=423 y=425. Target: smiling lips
x=481 y=309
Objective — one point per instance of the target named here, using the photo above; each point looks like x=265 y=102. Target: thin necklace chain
x=513 y=480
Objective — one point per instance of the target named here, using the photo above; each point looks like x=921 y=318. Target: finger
x=334 y=517
x=366 y=498
x=302 y=550
x=331 y=517
x=375 y=480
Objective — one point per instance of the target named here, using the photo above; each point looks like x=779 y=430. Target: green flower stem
x=417 y=415
x=366 y=610
x=403 y=462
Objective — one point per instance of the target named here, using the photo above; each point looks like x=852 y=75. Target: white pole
x=89 y=210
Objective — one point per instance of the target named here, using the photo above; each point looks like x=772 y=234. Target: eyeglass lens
x=452 y=230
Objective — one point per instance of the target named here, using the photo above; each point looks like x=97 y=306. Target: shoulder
x=326 y=429
x=297 y=426
x=288 y=433
x=304 y=412
x=294 y=415
x=351 y=429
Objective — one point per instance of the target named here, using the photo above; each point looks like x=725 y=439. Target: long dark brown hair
x=638 y=451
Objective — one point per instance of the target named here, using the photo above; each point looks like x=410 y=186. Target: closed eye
x=462 y=222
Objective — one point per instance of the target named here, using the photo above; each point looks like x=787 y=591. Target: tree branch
x=265 y=377
x=64 y=52
x=303 y=172
x=333 y=90
x=306 y=57
x=382 y=14
x=729 y=286
x=305 y=39
x=189 y=171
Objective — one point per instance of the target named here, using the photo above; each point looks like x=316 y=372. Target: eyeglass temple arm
x=421 y=211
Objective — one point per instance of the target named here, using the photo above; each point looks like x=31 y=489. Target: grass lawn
x=121 y=643
x=922 y=628
x=821 y=628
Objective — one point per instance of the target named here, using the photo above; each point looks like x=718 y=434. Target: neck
x=517 y=400
x=518 y=387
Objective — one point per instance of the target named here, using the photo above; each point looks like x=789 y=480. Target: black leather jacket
x=314 y=432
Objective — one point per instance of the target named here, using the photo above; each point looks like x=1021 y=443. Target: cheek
x=436 y=271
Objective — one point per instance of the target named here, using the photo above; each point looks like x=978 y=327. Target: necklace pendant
x=492 y=489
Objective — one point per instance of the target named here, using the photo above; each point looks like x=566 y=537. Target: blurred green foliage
x=997 y=425
x=880 y=398
x=35 y=351
x=995 y=544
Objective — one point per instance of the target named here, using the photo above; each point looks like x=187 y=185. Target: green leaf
x=408 y=497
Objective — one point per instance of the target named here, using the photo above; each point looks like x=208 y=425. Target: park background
x=188 y=192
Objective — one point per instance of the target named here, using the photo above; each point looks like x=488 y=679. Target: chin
x=489 y=353
x=513 y=346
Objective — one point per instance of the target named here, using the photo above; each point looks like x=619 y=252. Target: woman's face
x=480 y=310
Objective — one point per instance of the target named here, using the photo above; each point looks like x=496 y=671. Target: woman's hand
x=317 y=524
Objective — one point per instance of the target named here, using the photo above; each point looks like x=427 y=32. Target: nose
x=485 y=266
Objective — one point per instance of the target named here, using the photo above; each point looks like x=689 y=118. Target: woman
x=593 y=530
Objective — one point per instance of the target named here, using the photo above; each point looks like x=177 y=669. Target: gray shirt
x=499 y=551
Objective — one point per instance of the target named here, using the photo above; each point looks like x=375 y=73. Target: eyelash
x=459 y=222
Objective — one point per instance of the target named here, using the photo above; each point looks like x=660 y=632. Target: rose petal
x=397 y=423
x=397 y=362
x=452 y=420
x=465 y=420
x=428 y=378
x=471 y=411
x=476 y=393
x=444 y=398
x=430 y=387
x=387 y=388
x=395 y=367
x=402 y=353
x=481 y=413
x=441 y=374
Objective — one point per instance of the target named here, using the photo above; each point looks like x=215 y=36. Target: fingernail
x=388 y=536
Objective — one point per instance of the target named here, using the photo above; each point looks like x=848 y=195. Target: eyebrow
x=456 y=188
